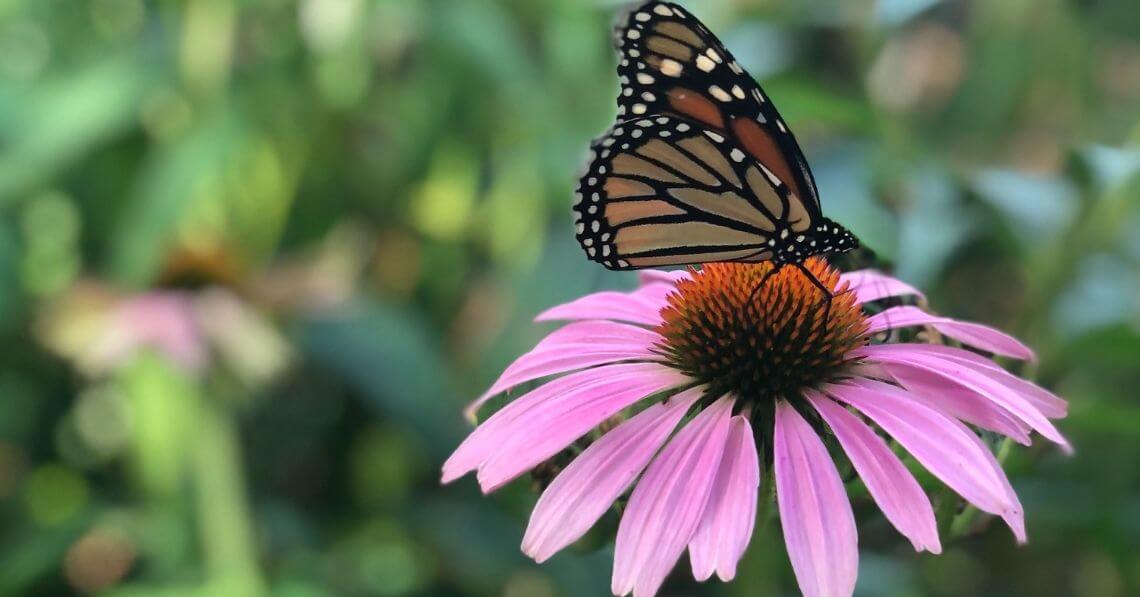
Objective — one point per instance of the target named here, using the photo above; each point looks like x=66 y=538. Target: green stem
x=767 y=496
x=227 y=535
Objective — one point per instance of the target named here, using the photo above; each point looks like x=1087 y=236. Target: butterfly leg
x=827 y=296
x=763 y=281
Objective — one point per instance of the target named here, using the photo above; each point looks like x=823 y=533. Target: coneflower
x=709 y=379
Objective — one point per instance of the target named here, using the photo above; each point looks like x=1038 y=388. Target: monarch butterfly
x=699 y=167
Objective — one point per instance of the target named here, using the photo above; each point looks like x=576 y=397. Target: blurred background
x=255 y=256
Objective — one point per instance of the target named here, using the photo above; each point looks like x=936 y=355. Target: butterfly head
x=826 y=238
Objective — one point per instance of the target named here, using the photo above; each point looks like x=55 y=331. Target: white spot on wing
x=671 y=68
x=663 y=10
x=714 y=136
x=642 y=16
x=738 y=92
x=645 y=78
x=771 y=177
x=737 y=155
x=633 y=34
x=720 y=94
x=705 y=63
x=639 y=108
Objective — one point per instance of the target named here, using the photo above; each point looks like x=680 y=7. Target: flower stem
x=227 y=535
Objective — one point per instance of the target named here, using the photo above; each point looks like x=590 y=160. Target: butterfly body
x=700 y=167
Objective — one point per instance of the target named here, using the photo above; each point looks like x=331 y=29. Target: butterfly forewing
x=665 y=190
x=670 y=63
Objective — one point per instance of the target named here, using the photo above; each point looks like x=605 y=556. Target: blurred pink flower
x=694 y=368
x=102 y=330
x=160 y=320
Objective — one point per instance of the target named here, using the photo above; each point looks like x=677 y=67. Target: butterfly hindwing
x=670 y=63
x=665 y=190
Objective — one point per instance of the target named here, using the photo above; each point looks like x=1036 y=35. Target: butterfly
x=699 y=167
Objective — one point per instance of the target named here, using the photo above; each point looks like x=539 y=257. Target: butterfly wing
x=668 y=191
x=670 y=63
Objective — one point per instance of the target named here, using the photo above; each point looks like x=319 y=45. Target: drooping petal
x=582 y=493
x=668 y=503
x=1050 y=405
x=974 y=334
x=967 y=377
x=871 y=285
x=576 y=346
x=730 y=515
x=592 y=393
x=1014 y=516
x=944 y=446
x=641 y=306
x=892 y=486
x=819 y=527
x=956 y=401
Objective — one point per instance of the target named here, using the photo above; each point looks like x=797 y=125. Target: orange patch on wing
x=678 y=31
x=694 y=105
x=620 y=212
x=669 y=48
x=764 y=148
x=762 y=190
x=617 y=187
x=635 y=166
x=729 y=205
x=667 y=154
x=748 y=255
x=706 y=152
x=682 y=235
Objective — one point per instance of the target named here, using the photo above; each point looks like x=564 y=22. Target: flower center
x=737 y=332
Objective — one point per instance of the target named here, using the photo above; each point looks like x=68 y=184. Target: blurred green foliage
x=334 y=220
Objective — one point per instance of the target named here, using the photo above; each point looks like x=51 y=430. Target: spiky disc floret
x=764 y=342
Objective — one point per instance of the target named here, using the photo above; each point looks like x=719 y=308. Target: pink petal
x=575 y=346
x=1045 y=401
x=547 y=429
x=730 y=515
x=590 y=391
x=870 y=285
x=974 y=334
x=582 y=493
x=819 y=527
x=967 y=377
x=944 y=446
x=667 y=504
x=895 y=491
x=956 y=401
x=641 y=306
x=656 y=276
x=1014 y=516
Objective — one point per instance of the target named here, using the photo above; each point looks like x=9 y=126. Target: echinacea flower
x=694 y=370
